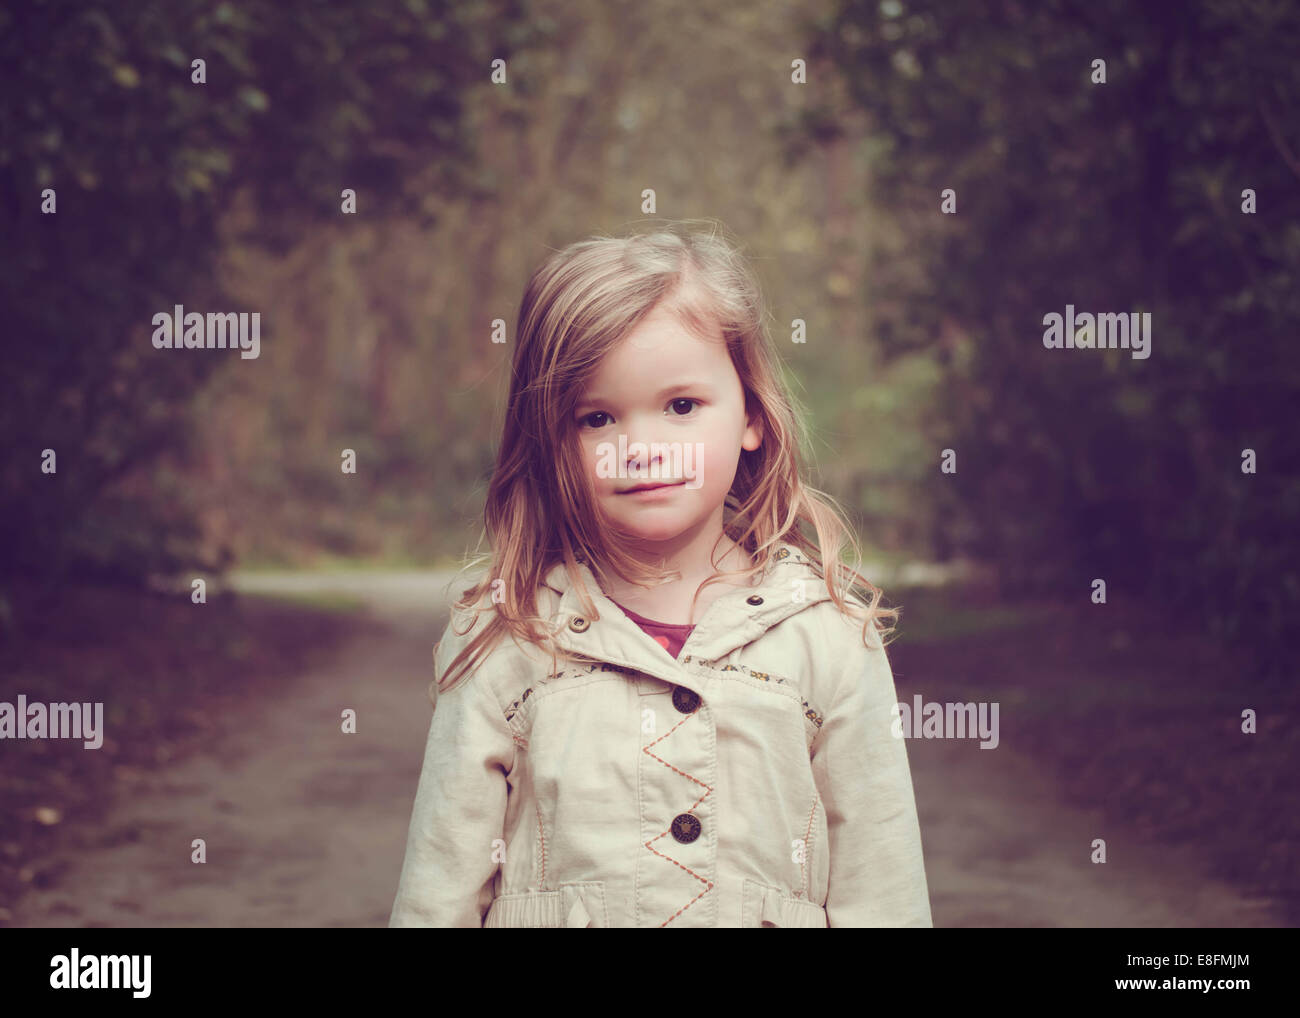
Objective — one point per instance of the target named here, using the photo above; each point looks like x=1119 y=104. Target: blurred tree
x=1123 y=196
x=301 y=100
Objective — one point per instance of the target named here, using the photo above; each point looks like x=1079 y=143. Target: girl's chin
x=668 y=532
x=654 y=536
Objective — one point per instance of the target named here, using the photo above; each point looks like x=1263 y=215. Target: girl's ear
x=753 y=436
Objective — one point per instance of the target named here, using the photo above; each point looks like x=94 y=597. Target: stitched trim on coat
x=808 y=711
x=541 y=835
x=804 y=868
x=513 y=709
x=601 y=666
x=708 y=790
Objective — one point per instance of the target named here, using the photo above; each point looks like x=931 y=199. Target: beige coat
x=752 y=782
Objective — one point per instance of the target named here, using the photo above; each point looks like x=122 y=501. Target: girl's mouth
x=648 y=489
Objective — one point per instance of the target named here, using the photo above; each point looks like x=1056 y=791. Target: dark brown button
x=685 y=700
x=685 y=828
x=755 y=599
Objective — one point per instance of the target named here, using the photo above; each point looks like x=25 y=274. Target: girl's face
x=665 y=409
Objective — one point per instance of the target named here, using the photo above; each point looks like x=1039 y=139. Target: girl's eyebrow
x=660 y=395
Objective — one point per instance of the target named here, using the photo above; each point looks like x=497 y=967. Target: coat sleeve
x=876 y=872
x=459 y=809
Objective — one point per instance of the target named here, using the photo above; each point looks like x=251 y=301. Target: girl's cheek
x=592 y=459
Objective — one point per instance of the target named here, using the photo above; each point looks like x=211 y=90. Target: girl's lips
x=644 y=490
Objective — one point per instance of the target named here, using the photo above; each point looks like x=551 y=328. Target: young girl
x=689 y=724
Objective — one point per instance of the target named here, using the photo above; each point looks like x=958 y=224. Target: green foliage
x=1123 y=196
x=301 y=100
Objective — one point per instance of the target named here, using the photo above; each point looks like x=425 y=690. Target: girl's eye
x=598 y=418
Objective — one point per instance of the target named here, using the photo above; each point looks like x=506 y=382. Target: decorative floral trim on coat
x=595 y=666
x=808 y=712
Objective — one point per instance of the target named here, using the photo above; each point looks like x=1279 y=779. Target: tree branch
x=1287 y=156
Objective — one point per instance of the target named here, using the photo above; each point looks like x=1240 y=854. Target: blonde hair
x=541 y=508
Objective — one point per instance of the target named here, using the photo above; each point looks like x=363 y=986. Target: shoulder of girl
x=507 y=661
x=848 y=634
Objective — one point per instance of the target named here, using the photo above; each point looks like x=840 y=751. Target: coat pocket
x=575 y=905
x=762 y=905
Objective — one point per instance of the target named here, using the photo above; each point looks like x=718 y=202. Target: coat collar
x=734 y=619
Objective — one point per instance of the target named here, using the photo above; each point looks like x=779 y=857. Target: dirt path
x=305 y=826
x=1001 y=850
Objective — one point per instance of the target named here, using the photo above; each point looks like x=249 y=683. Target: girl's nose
x=643 y=463
x=645 y=455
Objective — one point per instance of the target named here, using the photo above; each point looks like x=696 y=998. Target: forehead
x=661 y=345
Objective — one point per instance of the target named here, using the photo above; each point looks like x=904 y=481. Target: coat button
x=685 y=700
x=685 y=828
x=755 y=599
x=578 y=624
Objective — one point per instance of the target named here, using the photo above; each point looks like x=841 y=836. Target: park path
x=305 y=827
